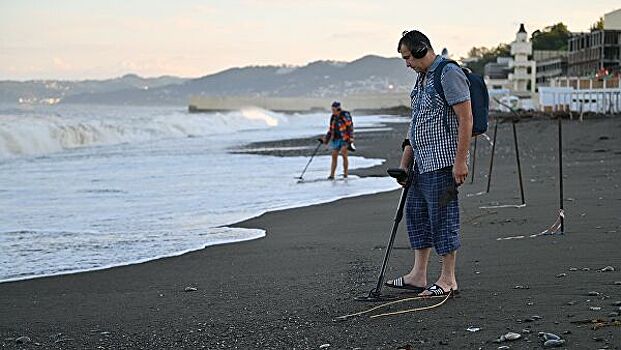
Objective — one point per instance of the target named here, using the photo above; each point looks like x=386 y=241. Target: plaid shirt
x=341 y=127
x=433 y=147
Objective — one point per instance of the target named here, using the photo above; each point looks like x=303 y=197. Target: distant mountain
x=48 y=91
x=367 y=75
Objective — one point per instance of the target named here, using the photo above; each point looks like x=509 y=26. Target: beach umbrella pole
x=517 y=157
x=376 y=293
x=491 y=160
x=560 y=173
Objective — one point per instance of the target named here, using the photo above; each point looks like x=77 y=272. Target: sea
x=92 y=187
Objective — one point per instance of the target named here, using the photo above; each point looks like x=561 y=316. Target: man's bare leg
x=447 y=280
x=418 y=276
x=335 y=157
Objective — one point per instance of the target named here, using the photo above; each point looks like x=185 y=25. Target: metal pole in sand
x=474 y=160
x=517 y=157
x=560 y=171
x=491 y=160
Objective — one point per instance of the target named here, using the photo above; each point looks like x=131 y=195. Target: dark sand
x=283 y=291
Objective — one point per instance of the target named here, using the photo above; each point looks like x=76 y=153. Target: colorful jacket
x=341 y=127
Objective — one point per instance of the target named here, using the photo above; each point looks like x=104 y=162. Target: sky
x=88 y=39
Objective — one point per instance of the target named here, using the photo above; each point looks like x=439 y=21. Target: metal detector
x=376 y=293
x=301 y=177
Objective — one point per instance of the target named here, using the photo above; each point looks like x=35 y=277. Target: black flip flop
x=437 y=291
x=399 y=283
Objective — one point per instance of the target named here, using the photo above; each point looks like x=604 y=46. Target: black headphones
x=420 y=52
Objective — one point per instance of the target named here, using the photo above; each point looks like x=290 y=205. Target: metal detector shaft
x=474 y=160
x=311 y=159
x=393 y=233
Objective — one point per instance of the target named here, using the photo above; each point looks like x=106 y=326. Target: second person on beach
x=339 y=138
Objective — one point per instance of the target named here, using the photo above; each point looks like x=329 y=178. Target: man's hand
x=460 y=172
x=403 y=182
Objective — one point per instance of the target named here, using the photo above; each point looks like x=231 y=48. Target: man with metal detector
x=340 y=138
x=435 y=153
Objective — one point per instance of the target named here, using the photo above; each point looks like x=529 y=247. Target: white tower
x=520 y=49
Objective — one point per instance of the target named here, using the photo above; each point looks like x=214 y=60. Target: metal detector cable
x=444 y=299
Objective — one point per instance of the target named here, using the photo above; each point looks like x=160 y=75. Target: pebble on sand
x=22 y=340
x=553 y=343
x=510 y=336
x=190 y=289
x=548 y=336
x=608 y=269
x=324 y=346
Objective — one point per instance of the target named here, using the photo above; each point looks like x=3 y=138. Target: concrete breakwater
x=297 y=104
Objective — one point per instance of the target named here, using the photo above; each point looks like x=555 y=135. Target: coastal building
x=598 y=50
x=523 y=77
x=549 y=64
x=511 y=80
x=496 y=74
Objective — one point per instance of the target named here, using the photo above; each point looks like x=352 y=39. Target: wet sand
x=285 y=290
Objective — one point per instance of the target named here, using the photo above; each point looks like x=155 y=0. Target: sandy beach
x=285 y=290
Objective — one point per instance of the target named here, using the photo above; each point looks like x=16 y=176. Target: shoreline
x=231 y=225
x=283 y=291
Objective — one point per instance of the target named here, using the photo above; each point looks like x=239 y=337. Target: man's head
x=416 y=50
x=336 y=107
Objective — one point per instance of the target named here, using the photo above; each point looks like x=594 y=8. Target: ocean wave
x=45 y=132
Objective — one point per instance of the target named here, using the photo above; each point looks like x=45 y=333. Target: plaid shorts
x=429 y=222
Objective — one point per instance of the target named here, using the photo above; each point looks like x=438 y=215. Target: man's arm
x=463 y=111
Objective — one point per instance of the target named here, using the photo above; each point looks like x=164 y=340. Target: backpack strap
x=437 y=84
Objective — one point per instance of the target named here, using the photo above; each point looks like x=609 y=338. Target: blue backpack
x=479 y=97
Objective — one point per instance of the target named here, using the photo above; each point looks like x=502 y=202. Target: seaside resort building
x=591 y=83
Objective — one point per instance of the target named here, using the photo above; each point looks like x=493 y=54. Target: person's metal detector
x=301 y=177
x=514 y=121
x=376 y=293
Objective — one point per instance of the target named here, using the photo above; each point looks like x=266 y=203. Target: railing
x=585 y=84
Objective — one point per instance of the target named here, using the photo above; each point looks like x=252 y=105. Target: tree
x=553 y=37
x=599 y=25
x=480 y=56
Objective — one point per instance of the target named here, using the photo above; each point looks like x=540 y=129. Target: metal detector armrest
x=398 y=174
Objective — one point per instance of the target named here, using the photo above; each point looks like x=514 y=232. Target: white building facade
x=523 y=77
